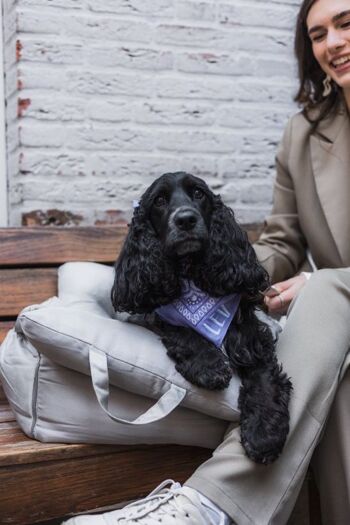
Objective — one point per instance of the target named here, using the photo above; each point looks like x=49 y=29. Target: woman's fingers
x=287 y=290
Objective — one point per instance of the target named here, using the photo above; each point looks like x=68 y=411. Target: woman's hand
x=285 y=293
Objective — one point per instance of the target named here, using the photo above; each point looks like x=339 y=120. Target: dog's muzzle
x=187 y=231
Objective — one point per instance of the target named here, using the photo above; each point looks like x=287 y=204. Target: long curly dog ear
x=143 y=279
x=231 y=263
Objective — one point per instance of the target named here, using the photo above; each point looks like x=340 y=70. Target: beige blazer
x=311 y=205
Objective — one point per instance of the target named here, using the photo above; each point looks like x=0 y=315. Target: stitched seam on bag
x=104 y=352
x=35 y=396
x=100 y=350
x=148 y=372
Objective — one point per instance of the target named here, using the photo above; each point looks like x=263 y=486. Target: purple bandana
x=209 y=316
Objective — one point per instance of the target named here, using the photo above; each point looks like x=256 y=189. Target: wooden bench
x=38 y=481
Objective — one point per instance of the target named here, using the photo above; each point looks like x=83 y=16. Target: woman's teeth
x=340 y=61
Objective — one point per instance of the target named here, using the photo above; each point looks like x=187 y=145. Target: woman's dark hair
x=316 y=107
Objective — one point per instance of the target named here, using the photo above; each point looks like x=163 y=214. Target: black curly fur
x=182 y=230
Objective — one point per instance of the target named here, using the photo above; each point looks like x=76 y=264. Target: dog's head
x=179 y=207
x=182 y=229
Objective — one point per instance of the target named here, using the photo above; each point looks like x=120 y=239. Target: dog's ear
x=231 y=263
x=143 y=279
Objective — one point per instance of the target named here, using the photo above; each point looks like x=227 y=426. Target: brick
x=45 y=135
x=83 y=26
x=131 y=57
x=51 y=217
x=263 y=91
x=259 y=14
x=108 y=138
x=215 y=63
x=41 y=21
x=247 y=194
x=200 y=141
x=43 y=163
x=239 y=167
x=175 y=113
x=40 y=76
x=194 y=88
x=148 y=8
x=64 y=4
x=249 y=116
x=51 y=51
x=145 y=167
x=58 y=108
x=101 y=28
x=102 y=82
x=110 y=110
x=197 y=11
x=245 y=40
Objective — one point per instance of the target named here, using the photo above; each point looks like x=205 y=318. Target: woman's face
x=328 y=25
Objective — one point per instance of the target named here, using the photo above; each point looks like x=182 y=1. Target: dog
x=184 y=240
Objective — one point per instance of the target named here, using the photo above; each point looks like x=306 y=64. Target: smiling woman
x=322 y=47
x=329 y=29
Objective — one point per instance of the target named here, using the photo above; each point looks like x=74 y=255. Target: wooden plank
x=30 y=494
x=18 y=449
x=23 y=287
x=6 y=414
x=5 y=326
x=2 y=394
x=54 y=245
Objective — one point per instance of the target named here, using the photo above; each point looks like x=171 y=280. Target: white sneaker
x=169 y=506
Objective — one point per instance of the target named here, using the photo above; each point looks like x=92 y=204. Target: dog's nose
x=185 y=220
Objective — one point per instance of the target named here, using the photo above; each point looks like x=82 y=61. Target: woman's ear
x=231 y=264
x=143 y=278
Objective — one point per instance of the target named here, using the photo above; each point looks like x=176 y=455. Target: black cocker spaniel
x=184 y=240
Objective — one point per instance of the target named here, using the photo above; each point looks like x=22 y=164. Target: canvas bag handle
x=100 y=381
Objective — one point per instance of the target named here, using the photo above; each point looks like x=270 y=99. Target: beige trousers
x=312 y=348
x=331 y=460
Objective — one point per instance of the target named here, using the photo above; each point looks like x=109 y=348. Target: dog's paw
x=215 y=377
x=263 y=442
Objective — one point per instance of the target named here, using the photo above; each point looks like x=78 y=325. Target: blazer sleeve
x=281 y=248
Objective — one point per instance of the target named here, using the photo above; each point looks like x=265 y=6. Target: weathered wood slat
x=6 y=415
x=17 y=449
x=2 y=394
x=54 y=245
x=23 y=287
x=43 y=245
x=5 y=326
x=40 y=492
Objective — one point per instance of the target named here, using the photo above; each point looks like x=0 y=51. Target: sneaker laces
x=161 y=499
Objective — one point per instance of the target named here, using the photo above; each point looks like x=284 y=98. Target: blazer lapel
x=330 y=159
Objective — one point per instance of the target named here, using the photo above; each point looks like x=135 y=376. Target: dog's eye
x=198 y=194
x=160 y=201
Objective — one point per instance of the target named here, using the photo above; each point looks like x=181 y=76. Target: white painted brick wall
x=112 y=93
